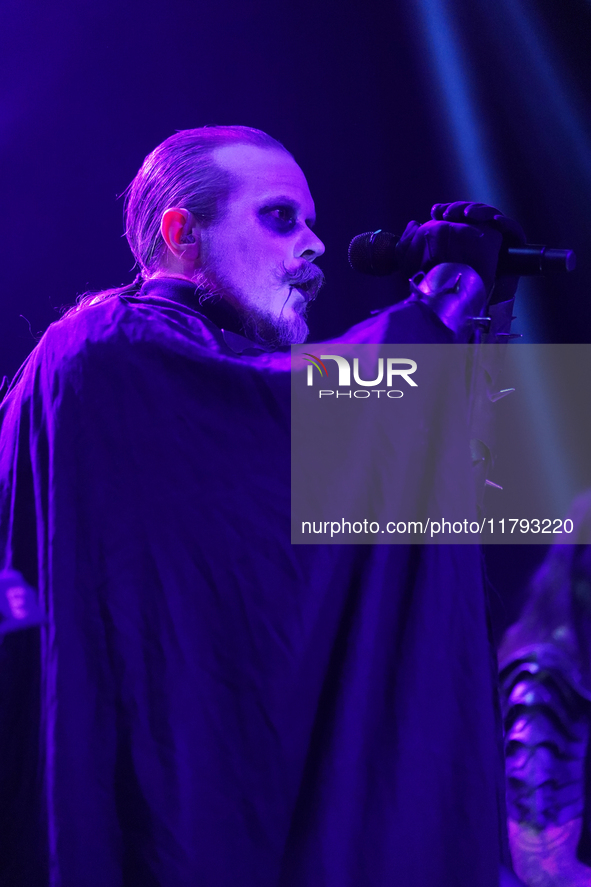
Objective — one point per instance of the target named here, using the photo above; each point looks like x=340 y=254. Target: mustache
x=307 y=278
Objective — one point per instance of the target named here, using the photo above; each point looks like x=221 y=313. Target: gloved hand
x=469 y=233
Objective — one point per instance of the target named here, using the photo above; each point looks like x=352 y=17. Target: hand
x=482 y=215
x=468 y=233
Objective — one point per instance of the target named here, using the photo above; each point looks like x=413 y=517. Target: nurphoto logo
x=396 y=369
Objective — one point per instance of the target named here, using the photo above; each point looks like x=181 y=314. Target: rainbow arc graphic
x=315 y=362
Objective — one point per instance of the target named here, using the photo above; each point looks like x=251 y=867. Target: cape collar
x=217 y=310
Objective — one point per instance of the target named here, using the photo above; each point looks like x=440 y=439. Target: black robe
x=207 y=704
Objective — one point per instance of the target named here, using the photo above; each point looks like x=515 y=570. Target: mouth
x=303 y=292
x=306 y=281
x=308 y=289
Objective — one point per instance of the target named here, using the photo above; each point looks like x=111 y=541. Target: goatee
x=275 y=332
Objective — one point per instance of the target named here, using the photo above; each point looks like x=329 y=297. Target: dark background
x=388 y=107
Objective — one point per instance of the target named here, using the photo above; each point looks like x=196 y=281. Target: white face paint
x=259 y=254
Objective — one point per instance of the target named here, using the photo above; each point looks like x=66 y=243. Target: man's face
x=259 y=253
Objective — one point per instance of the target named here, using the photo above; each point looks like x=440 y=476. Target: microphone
x=375 y=253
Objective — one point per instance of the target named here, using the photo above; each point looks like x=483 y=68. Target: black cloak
x=208 y=705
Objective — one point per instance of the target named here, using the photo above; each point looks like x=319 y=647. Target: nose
x=310 y=247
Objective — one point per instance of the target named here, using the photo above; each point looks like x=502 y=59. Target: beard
x=276 y=332
x=263 y=327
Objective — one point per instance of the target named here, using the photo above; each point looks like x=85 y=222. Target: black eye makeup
x=279 y=217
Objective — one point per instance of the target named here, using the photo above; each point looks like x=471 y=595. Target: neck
x=159 y=274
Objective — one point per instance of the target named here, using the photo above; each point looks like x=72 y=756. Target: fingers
x=409 y=231
x=451 y=212
x=463 y=210
x=510 y=229
x=480 y=213
x=404 y=244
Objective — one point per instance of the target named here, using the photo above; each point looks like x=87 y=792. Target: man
x=217 y=707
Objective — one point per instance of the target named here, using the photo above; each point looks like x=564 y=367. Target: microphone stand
x=456 y=293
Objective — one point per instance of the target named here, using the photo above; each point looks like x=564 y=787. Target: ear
x=181 y=234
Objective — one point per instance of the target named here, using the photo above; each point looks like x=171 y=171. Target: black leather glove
x=468 y=233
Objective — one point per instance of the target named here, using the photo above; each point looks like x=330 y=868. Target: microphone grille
x=373 y=253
